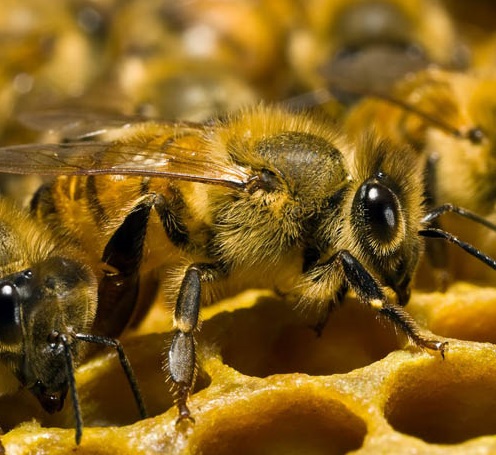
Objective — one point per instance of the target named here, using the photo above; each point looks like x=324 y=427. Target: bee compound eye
x=379 y=208
x=10 y=319
x=475 y=135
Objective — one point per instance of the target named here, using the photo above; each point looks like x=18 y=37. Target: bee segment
x=438 y=346
x=359 y=279
x=398 y=316
x=188 y=302
x=369 y=292
x=182 y=359
x=182 y=356
x=173 y=224
x=266 y=180
x=125 y=364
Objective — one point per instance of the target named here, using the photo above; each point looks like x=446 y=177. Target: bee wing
x=107 y=158
x=75 y=124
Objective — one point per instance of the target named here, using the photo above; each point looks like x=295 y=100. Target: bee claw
x=439 y=346
x=185 y=418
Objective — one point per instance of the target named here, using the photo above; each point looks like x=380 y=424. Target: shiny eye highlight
x=377 y=208
x=10 y=323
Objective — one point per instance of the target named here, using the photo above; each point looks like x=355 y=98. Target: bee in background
x=371 y=44
x=182 y=89
x=46 y=57
x=243 y=38
x=182 y=60
x=484 y=60
x=48 y=300
x=448 y=117
x=264 y=198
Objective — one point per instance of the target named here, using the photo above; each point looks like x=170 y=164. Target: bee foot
x=185 y=420
x=439 y=346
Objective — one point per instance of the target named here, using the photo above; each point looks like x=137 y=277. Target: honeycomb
x=268 y=384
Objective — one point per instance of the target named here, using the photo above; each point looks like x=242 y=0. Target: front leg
x=182 y=355
x=370 y=292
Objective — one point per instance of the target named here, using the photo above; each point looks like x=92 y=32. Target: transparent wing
x=77 y=124
x=111 y=158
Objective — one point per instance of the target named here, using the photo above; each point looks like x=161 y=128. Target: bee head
x=385 y=207
x=36 y=305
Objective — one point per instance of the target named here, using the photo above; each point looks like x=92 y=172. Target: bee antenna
x=78 y=416
x=125 y=364
x=432 y=232
x=450 y=208
x=435 y=233
x=455 y=132
x=475 y=134
x=324 y=95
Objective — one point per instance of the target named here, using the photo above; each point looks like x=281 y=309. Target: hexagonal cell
x=275 y=423
x=445 y=402
x=273 y=338
x=465 y=312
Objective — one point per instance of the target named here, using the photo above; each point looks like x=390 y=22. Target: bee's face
x=383 y=211
x=38 y=304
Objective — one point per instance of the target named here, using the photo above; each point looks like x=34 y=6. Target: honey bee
x=48 y=297
x=245 y=38
x=448 y=117
x=372 y=44
x=264 y=198
x=182 y=89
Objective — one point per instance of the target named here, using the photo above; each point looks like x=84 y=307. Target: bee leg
x=182 y=355
x=177 y=232
x=370 y=292
x=69 y=361
x=119 y=287
x=125 y=364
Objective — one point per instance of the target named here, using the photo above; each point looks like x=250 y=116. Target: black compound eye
x=379 y=208
x=475 y=135
x=10 y=318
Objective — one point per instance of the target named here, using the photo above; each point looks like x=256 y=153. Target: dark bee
x=48 y=300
